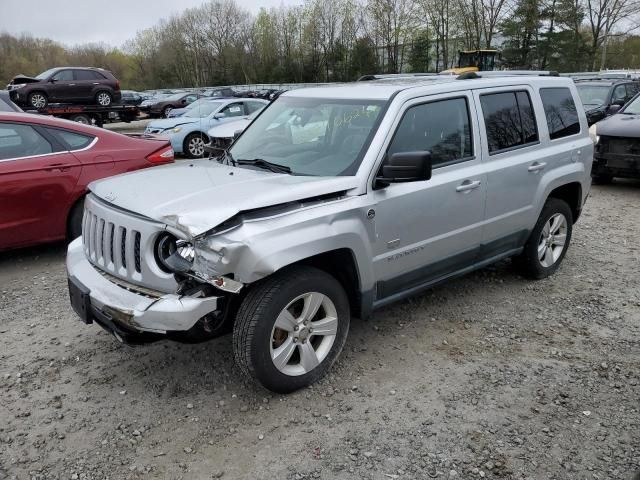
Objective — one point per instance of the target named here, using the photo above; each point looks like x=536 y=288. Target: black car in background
x=6 y=105
x=602 y=97
x=617 y=149
x=83 y=85
x=163 y=106
x=129 y=97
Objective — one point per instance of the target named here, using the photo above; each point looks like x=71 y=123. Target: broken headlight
x=172 y=254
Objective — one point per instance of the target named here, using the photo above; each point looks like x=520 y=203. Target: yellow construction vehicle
x=474 y=61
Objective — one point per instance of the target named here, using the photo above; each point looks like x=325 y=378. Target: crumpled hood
x=23 y=79
x=171 y=122
x=619 y=125
x=194 y=197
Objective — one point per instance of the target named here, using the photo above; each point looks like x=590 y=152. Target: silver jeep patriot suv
x=335 y=201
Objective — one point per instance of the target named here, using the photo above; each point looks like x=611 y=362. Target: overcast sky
x=109 y=21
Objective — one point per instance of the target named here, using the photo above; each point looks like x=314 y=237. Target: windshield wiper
x=260 y=162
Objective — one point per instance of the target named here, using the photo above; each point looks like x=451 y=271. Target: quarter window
x=441 y=127
x=87 y=75
x=561 y=113
x=72 y=140
x=509 y=120
x=17 y=141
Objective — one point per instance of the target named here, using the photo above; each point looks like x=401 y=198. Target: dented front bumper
x=116 y=308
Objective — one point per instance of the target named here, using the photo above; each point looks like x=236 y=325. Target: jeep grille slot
x=136 y=251
x=121 y=244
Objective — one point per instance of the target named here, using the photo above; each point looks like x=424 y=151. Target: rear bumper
x=127 y=313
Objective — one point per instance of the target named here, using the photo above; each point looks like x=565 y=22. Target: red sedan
x=45 y=167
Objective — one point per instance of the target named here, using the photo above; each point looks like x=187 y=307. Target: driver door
x=63 y=87
x=426 y=230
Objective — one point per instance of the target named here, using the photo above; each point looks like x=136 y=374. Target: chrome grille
x=121 y=244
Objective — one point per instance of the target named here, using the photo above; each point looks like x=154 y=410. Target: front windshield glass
x=633 y=108
x=312 y=136
x=593 y=95
x=203 y=110
x=44 y=75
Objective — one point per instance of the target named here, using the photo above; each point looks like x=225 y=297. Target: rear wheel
x=38 y=100
x=194 y=145
x=81 y=118
x=291 y=328
x=548 y=242
x=104 y=99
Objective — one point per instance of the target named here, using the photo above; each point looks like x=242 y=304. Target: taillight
x=117 y=84
x=164 y=155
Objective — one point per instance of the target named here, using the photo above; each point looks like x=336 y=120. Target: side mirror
x=236 y=134
x=619 y=102
x=406 y=167
x=613 y=108
x=52 y=80
x=218 y=115
x=184 y=102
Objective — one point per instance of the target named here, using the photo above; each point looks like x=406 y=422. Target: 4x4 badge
x=371 y=214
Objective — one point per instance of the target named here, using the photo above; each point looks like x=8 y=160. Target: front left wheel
x=194 y=145
x=290 y=328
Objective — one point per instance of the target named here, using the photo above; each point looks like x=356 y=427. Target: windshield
x=44 y=75
x=203 y=110
x=312 y=136
x=633 y=108
x=593 y=95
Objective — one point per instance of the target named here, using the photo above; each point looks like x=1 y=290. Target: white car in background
x=222 y=136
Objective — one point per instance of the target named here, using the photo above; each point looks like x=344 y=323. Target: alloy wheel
x=38 y=100
x=303 y=334
x=104 y=99
x=552 y=240
x=196 y=146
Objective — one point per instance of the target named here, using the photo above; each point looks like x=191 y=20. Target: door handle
x=96 y=83
x=467 y=186
x=72 y=84
x=58 y=167
x=537 y=166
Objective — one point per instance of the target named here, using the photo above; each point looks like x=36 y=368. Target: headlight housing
x=172 y=254
x=16 y=86
x=176 y=129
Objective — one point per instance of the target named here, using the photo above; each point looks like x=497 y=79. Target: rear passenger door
x=511 y=156
x=426 y=230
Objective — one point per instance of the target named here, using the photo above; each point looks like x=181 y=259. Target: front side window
x=233 y=110
x=312 y=136
x=254 y=106
x=63 y=76
x=633 y=107
x=441 y=127
x=18 y=141
x=592 y=95
x=619 y=94
x=561 y=113
x=632 y=89
x=509 y=120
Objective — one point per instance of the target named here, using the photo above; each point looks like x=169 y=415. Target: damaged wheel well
x=340 y=264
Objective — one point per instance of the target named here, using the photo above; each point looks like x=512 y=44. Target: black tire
x=38 y=100
x=602 y=179
x=191 y=150
x=529 y=263
x=74 y=221
x=256 y=317
x=104 y=98
x=81 y=118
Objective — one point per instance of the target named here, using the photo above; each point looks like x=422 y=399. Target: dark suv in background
x=602 y=97
x=66 y=85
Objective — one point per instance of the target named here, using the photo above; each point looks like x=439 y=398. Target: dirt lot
x=490 y=376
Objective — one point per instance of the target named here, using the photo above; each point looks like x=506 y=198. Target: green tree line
x=222 y=43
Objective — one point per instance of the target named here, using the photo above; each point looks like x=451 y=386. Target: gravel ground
x=489 y=376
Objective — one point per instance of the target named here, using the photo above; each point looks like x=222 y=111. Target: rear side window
x=87 y=75
x=72 y=140
x=509 y=120
x=18 y=141
x=441 y=127
x=561 y=113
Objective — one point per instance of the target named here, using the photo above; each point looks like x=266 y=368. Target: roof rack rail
x=382 y=76
x=507 y=73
